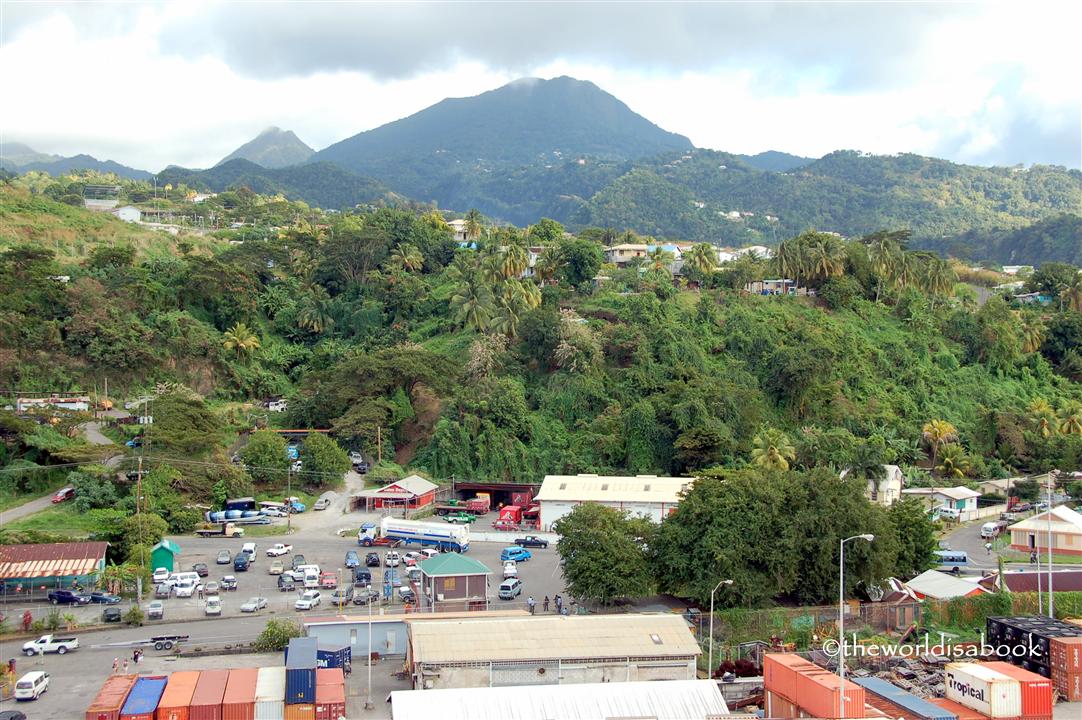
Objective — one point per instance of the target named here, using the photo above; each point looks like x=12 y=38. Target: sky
x=150 y=85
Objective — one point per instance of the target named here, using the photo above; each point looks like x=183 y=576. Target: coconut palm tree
x=472 y=304
x=240 y=339
x=506 y=319
x=938 y=433
x=1032 y=334
x=1071 y=296
x=790 y=260
x=659 y=261
x=548 y=265
x=825 y=256
x=773 y=450
x=938 y=276
x=474 y=223
x=515 y=261
x=953 y=462
x=703 y=258
x=1070 y=418
x=407 y=257
x=116 y=578
x=885 y=253
x=1043 y=417
x=314 y=311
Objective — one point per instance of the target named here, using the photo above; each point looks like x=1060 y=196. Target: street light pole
x=368 y=697
x=841 y=615
x=710 y=642
x=1048 y=516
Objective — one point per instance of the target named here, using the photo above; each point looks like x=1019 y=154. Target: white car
x=307 y=601
x=254 y=604
x=160 y=575
x=31 y=686
x=413 y=557
x=392 y=559
x=186 y=590
x=510 y=570
x=213 y=606
x=275 y=512
x=279 y=549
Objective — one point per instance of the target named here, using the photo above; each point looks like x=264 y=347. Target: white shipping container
x=987 y=691
x=270 y=693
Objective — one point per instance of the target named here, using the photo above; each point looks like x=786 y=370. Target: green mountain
x=15 y=154
x=775 y=161
x=272 y=148
x=1057 y=239
x=21 y=161
x=320 y=184
x=444 y=151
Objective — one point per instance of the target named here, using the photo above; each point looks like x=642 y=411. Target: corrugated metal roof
x=941 y=586
x=667 y=700
x=168 y=545
x=412 y=484
x=549 y=638
x=1064 y=520
x=594 y=488
x=447 y=564
x=411 y=617
x=50 y=559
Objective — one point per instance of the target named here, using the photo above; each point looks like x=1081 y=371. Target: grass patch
x=1013 y=556
x=264 y=530
x=11 y=501
x=62 y=519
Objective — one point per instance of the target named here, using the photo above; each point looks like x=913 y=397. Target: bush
x=840 y=293
x=134 y=616
x=276 y=635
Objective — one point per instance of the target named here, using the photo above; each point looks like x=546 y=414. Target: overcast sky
x=155 y=84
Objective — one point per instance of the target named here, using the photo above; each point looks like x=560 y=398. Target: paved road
x=25 y=509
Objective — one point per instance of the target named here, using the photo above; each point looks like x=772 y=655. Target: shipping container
x=238 y=703
x=1066 y=654
x=143 y=699
x=111 y=697
x=330 y=701
x=963 y=712
x=1036 y=689
x=270 y=692
x=330 y=656
x=780 y=671
x=300 y=711
x=977 y=686
x=301 y=671
x=1069 y=685
x=177 y=696
x=330 y=676
x=906 y=702
x=819 y=694
x=777 y=706
x=207 y=698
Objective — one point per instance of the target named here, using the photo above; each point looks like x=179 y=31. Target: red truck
x=510 y=518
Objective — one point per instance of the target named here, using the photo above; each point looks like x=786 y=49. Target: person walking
x=11 y=667
x=545 y=604
x=988 y=548
x=531 y=604
x=116 y=664
x=200 y=591
x=559 y=603
x=125 y=666
x=1033 y=557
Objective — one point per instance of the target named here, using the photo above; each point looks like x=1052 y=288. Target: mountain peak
x=272 y=148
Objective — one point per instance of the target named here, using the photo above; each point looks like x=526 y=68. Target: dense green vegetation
x=1056 y=239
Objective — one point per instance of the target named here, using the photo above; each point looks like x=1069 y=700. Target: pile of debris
x=922 y=676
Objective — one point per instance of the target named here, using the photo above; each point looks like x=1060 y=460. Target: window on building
x=449 y=583
x=604 y=486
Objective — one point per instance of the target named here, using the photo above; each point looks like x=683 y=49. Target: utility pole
x=289 y=503
x=1048 y=516
x=379 y=445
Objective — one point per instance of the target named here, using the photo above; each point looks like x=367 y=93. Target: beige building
x=1064 y=525
x=550 y=650
x=649 y=495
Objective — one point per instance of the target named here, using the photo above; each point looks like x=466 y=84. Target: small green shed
x=164 y=555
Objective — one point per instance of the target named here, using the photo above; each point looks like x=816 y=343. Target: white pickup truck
x=50 y=644
x=279 y=549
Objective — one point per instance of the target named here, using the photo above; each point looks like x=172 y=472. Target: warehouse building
x=649 y=495
x=1064 y=525
x=550 y=650
x=390 y=633
x=673 y=700
x=34 y=569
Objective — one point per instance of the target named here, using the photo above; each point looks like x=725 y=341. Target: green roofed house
x=164 y=555
x=455 y=583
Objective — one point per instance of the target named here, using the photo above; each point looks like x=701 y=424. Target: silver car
x=156 y=610
x=254 y=604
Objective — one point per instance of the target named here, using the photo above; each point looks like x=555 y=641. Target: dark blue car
x=241 y=562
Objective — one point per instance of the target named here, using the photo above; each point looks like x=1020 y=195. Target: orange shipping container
x=963 y=712
x=177 y=696
x=780 y=672
x=779 y=707
x=1069 y=685
x=238 y=703
x=818 y=693
x=330 y=701
x=111 y=697
x=301 y=711
x=1036 y=689
x=1066 y=654
x=207 y=699
x=330 y=676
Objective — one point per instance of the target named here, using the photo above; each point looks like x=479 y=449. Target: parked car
x=224 y=558
x=510 y=569
x=286 y=583
x=111 y=615
x=406 y=595
x=298 y=560
x=12 y=715
x=104 y=598
x=460 y=518
x=212 y=588
x=1022 y=507
x=254 y=604
x=213 y=606
x=275 y=512
x=241 y=562
x=277 y=567
x=229 y=583
x=67 y=597
x=392 y=558
x=321 y=504
x=429 y=553
x=362 y=576
x=279 y=549
x=414 y=574
x=412 y=558
x=510 y=589
x=163 y=590
x=201 y=569
x=32 y=685
x=516 y=553
x=532 y=541
x=355 y=458
x=352 y=559
x=50 y=644
x=365 y=595
x=342 y=595
x=371 y=560
x=63 y=494
x=160 y=575
x=308 y=600
x=156 y=610
x=328 y=580
x=186 y=589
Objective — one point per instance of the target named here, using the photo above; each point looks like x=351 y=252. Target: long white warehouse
x=649 y=495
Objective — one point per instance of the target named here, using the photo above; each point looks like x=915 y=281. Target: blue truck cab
x=516 y=553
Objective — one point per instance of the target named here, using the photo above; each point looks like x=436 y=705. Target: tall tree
x=1043 y=417
x=773 y=450
x=938 y=433
x=1070 y=418
x=703 y=258
x=240 y=339
x=515 y=261
x=603 y=553
x=474 y=223
x=953 y=462
x=472 y=304
x=407 y=257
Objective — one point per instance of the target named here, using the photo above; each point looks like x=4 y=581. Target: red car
x=64 y=494
x=328 y=580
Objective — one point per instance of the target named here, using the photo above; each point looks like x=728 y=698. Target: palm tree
x=1043 y=416
x=506 y=320
x=703 y=258
x=472 y=304
x=548 y=265
x=938 y=433
x=515 y=261
x=790 y=260
x=939 y=277
x=240 y=339
x=885 y=253
x=1070 y=418
x=1071 y=296
x=953 y=463
x=907 y=270
x=826 y=256
x=1032 y=334
x=659 y=261
x=407 y=257
x=116 y=578
x=773 y=450
x=474 y=221
x=315 y=310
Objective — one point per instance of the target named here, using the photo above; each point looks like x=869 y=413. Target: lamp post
x=1048 y=516
x=841 y=613
x=710 y=659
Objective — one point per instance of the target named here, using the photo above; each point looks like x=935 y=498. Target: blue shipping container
x=144 y=696
x=329 y=656
x=301 y=666
x=905 y=700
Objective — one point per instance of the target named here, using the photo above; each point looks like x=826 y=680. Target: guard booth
x=164 y=555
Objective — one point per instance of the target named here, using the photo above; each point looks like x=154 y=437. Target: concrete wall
x=1026 y=540
x=388 y=637
x=551 y=511
x=553 y=673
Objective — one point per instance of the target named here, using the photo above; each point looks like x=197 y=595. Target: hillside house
x=1062 y=523
x=958 y=498
x=458 y=230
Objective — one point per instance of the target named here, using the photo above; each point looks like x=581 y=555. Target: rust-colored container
x=207 y=699
x=1036 y=689
x=1069 y=685
x=819 y=694
x=111 y=697
x=330 y=676
x=1066 y=654
x=238 y=703
x=177 y=696
x=301 y=711
x=777 y=706
x=887 y=708
x=330 y=701
x=780 y=673
x=963 y=712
